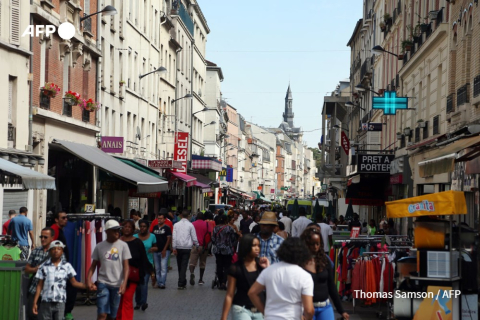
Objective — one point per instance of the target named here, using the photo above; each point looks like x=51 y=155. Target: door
x=13 y=200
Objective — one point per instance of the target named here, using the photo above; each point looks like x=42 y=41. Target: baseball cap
x=112 y=224
x=56 y=244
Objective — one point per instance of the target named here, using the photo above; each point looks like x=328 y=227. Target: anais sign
x=112 y=144
x=181 y=151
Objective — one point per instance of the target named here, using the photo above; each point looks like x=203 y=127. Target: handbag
x=235 y=257
x=134 y=274
x=207 y=240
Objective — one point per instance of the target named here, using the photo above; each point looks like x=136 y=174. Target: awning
x=443 y=160
x=426 y=142
x=30 y=179
x=189 y=180
x=141 y=167
x=145 y=182
x=205 y=187
x=435 y=204
x=206 y=163
x=261 y=196
x=201 y=178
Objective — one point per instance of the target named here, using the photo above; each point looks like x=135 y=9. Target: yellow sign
x=435 y=204
x=223 y=173
x=89 y=208
x=438 y=304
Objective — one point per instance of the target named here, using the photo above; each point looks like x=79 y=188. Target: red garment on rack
x=356 y=276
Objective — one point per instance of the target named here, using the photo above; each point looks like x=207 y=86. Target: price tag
x=89 y=208
x=355 y=232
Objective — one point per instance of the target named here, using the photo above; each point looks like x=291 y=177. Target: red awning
x=426 y=142
x=189 y=180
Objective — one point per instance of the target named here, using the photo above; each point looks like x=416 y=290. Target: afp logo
x=66 y=30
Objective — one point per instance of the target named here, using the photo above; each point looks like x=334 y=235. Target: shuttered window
x=13 y=200
x=10 y=100
x=15 y=22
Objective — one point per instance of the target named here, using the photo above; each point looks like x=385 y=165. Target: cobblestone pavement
x=197 y=302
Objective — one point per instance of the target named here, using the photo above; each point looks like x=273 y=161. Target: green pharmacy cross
x=390 y=103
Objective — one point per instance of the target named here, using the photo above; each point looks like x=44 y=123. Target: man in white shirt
x=287 y=222
x=301 y=223
x=326 y=233
x=183 y=239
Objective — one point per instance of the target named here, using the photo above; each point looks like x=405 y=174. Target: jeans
x=240 y=313
x=223 y=263
x=183 y=255
x=71 y=297
x=161 y=267
x=324 y=313
x=29 y=311
x=141 y=293
x=51 y=311
x=108 y=300
x=125 y=309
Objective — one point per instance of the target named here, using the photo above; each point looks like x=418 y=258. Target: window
x=276 y=162
x=283 y=163
x=436 y=124
x=425 y=130
x=417 y=134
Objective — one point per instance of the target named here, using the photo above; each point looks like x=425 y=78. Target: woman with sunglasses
x=323 y=278
x=241 y=275
x=139 y=267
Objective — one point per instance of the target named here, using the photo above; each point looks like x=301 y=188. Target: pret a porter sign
x=374 y=163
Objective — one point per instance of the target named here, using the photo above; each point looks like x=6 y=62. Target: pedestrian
x=61 y=220
x=224 y=241
x=323 y=275
x=20 y=228
x=163 y=234
x=183 y=239
x=280 y=230
x=111 y=257
x=364 y=228
x=150 y=243
x=199 y=254
x=341 y=220
x=288 y=287
x=231 y=223
x=372 y=228
x=38 y=256
x=287 y=222
x=167 y=220
x=11 y=215
x=327 y=234
x=269 y=241
x=299 y=225
x=135 y=216
x=52 y=277
x=256 y=220
x=241 y=276
x=237 y=219
x=245 y=223
x=355 y=222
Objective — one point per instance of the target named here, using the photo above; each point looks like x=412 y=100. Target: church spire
x=288 y=114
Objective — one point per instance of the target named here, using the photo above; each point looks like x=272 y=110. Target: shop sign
x=112 y=144
x=272 y=190
x=164 y=164
x=355 y=232
x=223 y=173
x=181 y=151
x=229 y=174
x=390 y=103
x=134 y=194
x=425 y=205
x=372 y=126
x=374 y=163
x=396 y=166
x=396 y=179
x=345 y=143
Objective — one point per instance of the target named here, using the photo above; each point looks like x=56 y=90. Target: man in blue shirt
x=20 y=227
x=269 y=241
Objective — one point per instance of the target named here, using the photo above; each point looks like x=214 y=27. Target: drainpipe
x=30 y=107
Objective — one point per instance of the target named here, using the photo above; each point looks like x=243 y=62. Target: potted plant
x=50 y=89
x=122 y=83
x=399 y=136
x=401 y=56
x=90 y=105
x=407 y=131
x=382 y=26
x=73 y=96
x=421 y=123
x=387 y=18
x=407 y=45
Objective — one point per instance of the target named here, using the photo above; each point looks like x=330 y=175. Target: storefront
x=87 y=175
x=17 y=185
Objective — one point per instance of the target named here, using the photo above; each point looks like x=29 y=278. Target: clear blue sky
x=261 y=46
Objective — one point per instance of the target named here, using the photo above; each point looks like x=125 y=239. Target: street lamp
x=350 y=104
x=361 y=88
x=338 y=127
x=107 y=11
x=377 y=50
x=213 y=122
x=187 y=96
x=160 y=70
x=204 y=109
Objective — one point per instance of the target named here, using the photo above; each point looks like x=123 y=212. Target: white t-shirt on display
x=326 y=231
x=285 y=284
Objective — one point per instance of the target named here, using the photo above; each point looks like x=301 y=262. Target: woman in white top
x=288 y=286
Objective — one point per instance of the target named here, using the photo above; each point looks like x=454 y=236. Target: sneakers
x=68 y=316
x=161 y=286
x=192 y=279
x=201 y=282
x=182 y=288
x=136 y=308
x=144 y=307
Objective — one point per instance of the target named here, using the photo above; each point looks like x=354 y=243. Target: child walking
x=52 y=284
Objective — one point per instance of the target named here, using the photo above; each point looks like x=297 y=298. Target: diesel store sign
x=374 y=163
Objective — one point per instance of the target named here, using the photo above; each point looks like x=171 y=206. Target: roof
x=289 y=93
x=357 y=27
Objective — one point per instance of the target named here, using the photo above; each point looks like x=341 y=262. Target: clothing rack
x=91 y=216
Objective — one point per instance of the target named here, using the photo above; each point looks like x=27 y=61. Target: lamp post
x=361 y=88
x=377 y=50
x=350 y=104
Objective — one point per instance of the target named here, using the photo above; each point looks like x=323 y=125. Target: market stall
x=433 y=287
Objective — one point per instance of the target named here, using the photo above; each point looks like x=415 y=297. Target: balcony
x=366 y=70
x=462 y=94
x=187 y=20
x=476 y=86
x=450 y=99
x=86 y=116
x=44 y=102
x=67 y=109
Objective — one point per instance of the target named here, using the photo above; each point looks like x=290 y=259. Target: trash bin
x=13 y=290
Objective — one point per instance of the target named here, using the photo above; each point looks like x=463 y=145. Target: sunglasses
x=63 y=218
x=43 y=237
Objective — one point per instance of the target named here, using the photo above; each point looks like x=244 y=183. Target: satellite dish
x=139 y=133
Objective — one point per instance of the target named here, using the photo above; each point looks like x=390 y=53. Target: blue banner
x=229 y=174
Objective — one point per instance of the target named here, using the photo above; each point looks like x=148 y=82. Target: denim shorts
x=108 y=300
